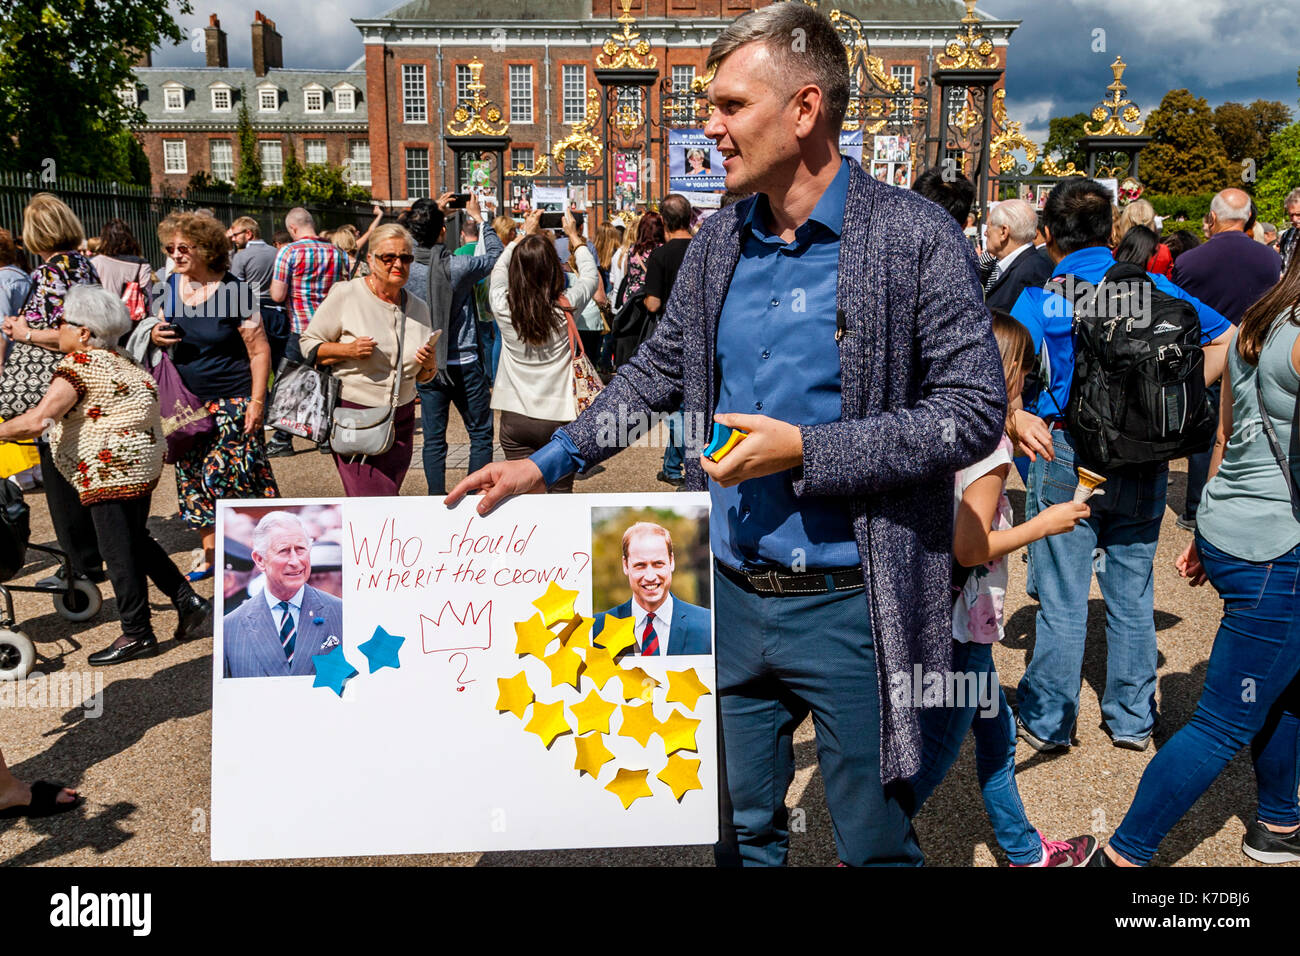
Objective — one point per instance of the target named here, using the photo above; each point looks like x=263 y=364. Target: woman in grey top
x=1248 y=546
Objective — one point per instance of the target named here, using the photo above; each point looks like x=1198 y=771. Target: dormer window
x=268 y=100
x=173 y=99
x=345 y=99
x=314 y=100
x=129 y=96
x=221 y=99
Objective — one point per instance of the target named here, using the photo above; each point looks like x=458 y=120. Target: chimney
x=216 y=42
x=267 y=51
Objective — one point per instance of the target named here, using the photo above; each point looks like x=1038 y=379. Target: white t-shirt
x=977 y=612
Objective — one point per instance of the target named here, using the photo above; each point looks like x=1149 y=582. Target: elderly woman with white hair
x=359 y=330
x=106 y=440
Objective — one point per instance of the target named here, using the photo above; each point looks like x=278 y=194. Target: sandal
x=199 y=573
x=45 y=802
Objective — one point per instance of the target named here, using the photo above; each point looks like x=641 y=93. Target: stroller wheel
x=81 y=603
x=17 y=654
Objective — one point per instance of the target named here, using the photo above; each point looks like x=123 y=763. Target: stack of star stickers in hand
x=561 y=639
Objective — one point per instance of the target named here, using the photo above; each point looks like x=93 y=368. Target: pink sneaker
x=1076 y=851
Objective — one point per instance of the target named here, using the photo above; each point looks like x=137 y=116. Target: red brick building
x=322 y=115
x=538 y=58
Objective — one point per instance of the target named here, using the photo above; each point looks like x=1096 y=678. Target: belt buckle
x=775 y=582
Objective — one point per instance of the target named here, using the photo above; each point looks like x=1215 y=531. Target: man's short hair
x=249 y=225
x=1019 y=216
x=1227 y=211
x=646 y=527
x=954 y=193
x=299 y=218
x=276 y=520
x=1292 y=199
x=804 y=48
x=676 y=212
x=469 y=228
x=1078 y=214
x=1269 y=228
x=425 y=221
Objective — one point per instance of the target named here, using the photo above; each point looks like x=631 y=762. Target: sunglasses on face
x=178 y=250
x=388 y=258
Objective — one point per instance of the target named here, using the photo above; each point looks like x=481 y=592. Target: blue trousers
x=468 y=391
x=944 y=729
x=1251 y=697
x=779 y=659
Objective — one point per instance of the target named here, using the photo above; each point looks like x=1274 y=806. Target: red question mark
x=461 y=683
x=585 y=562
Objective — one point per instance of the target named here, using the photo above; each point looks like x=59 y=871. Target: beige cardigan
x=350 y=312
x=537 y=381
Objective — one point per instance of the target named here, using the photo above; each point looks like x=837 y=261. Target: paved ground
x=144 y=766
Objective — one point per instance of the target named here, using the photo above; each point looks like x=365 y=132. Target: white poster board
x=446 y=752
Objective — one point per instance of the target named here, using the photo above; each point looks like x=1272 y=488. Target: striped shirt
x=309 y=267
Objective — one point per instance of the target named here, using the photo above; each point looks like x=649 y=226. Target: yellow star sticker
x=616 y=635
x=578 y=634
x=637 y=684
x=514 y=694
x=685 y=687
x=592 y=755
x=678 y=732
x=628 y=785
x=563 y=665
x=600 y=666
x=556 y=605
x=593 y=714
x=639 y=723
x=548 y=722
x=532 y=637
x=681 y=774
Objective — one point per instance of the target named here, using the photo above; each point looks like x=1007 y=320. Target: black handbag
x=633 y=323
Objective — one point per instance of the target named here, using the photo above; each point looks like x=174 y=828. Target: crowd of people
x=879 y=439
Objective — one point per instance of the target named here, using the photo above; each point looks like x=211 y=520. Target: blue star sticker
x=333 y=670
x=381 y=650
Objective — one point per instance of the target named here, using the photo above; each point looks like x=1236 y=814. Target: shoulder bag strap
x=1273 y=442
x=575 y=340
x=401 y=354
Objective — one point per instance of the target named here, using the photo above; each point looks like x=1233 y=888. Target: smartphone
x=459 y=201
x=551 y=220
x=433 y=339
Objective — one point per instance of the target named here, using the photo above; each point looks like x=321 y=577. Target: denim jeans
x=1118 y=542
x=1251 y=696
x=780 y=658
x=944 y=728
x=468 y=391
x=675 y=452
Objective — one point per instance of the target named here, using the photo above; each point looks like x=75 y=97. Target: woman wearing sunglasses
x=358 y=331
x=212 y=325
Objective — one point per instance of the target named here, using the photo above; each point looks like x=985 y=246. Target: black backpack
x=632 y=324
x=1138 y=396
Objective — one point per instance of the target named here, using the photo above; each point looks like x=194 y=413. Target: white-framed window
x=521 y=93
x=417 y=172
x=174 y=156
x=221 y=159
x=316 y=154
x=272 y=153
x=574 y=90
x=359 y=162
x=522 y=157
x=956 y=103
x=415 y=104
x=268 y=100
x=173 y=99
x=313 y=100
x=573 y=173
x=683 y=77
x=221 y=99
x=906 y=76
x=345 y=99
x=463 y=79
x=129 y=95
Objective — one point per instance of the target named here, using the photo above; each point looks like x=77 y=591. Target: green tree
x=1279 y=176
x=1246 y=131
x=248 y=181
x=292 y=188
x=1186 y=155
x=1063 y=135
x=62 y=65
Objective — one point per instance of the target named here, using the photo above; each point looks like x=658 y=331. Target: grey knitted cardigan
x=923 y=396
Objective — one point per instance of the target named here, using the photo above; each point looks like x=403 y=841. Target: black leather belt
x=781 y=582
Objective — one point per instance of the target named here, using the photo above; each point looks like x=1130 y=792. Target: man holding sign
x=840 y=323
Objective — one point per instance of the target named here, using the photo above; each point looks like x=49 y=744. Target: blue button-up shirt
x=777 y=356
x=1049 y=319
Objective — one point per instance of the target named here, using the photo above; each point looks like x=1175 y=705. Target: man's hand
x=1032 y=435
x=499 y=481
x=770 y=446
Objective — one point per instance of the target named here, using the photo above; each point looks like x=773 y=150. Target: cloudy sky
x=1220 y=49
